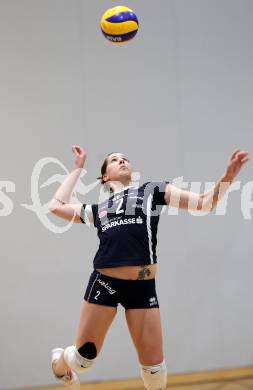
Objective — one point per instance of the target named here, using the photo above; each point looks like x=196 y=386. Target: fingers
x=244 y=160
x=234 y=153
x=78 y=150
x=242 y=156
x=239 y=155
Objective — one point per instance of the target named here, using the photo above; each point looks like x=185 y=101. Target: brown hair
x=103 y=168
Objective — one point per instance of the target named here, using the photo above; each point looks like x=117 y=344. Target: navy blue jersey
x=127 y=225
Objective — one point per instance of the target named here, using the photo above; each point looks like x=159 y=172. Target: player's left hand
x=235 y=162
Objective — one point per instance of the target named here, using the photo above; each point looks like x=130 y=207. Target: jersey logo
x=120 y=222
x=102 y=214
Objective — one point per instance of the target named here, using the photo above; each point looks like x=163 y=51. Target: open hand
x=235 y=162
x=80 y=156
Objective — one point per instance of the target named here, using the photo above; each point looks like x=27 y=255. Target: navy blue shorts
x=131 y=294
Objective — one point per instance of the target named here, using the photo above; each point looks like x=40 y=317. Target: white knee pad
x=154 y=377
x=75 y=361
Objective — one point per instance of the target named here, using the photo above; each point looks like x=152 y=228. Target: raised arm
x=179 y=198
x=59 y=205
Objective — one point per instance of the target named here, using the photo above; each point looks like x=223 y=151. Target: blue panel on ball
x=120 y=38
x=123 y=17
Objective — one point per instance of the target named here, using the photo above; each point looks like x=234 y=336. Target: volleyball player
x=125 y=264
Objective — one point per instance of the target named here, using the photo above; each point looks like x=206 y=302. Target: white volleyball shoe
x=70 y=378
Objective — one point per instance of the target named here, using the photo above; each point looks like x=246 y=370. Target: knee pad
x=88 y=350
x=154 y=377
x=82 y=359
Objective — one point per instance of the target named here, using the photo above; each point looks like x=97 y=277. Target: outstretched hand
x=80 y=156
x=235 y=162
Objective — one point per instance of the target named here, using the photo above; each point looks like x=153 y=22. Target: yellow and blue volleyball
x=119 y=24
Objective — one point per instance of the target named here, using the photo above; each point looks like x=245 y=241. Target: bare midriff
x=139 y=272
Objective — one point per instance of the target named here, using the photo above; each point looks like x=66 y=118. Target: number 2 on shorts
x=97 y=295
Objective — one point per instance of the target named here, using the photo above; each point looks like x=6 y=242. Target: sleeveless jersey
x=127 y=225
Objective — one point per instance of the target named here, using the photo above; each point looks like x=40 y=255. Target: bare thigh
x=94 y=323
x=146 y=332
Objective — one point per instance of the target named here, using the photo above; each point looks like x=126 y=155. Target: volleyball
x=119 y=24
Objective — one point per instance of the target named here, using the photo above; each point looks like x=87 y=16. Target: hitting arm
x=176 y=197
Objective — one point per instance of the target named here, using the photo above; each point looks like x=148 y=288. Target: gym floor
x=228 y=379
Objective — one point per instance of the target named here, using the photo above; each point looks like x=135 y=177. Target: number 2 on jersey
x=119 y=210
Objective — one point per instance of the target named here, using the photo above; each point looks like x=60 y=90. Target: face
x=118 y=168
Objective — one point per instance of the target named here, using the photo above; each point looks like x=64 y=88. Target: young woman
x=125 y=263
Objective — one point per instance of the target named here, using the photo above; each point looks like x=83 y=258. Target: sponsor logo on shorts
x=152 y=301
x=107 y=286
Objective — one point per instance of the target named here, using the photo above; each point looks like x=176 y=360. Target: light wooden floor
x=232 y=379
x=222 y=385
